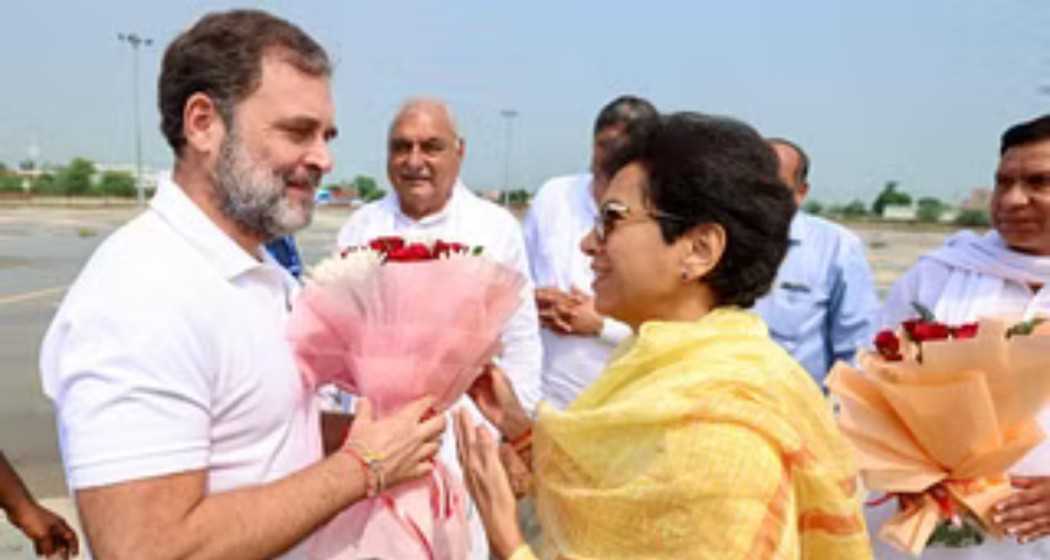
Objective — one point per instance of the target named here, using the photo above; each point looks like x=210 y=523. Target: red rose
x=386 y=244
x=441 y=249
x=930 y=331
x=411 y=253
x=909 y=327
x=966 y=330
x=444 y=249
x=888 y=345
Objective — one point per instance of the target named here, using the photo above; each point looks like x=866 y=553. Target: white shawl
x=990 y=263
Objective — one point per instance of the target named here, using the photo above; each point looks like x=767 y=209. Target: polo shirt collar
x=184 y=216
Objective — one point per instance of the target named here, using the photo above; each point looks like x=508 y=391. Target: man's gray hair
x=414 y=104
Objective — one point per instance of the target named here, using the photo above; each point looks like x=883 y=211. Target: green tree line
x=78 y=178
x=928 y=209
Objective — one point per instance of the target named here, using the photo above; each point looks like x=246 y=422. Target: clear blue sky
x=916 y=91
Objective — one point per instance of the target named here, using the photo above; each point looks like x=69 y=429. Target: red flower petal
x=386 y=244
x=967 y=330
x=888 y=345
x=930 y=331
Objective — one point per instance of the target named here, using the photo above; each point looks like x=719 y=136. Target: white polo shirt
x=168 y=355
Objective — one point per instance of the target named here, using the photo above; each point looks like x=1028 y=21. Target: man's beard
x=253 y=195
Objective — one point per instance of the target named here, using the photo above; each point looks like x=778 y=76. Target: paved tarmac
x=41 y=252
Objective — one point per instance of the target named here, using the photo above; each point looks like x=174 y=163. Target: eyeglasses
x=614 y=212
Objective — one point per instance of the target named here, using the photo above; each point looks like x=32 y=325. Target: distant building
x=899 y=212
x=979 y=199
x=948 y=216
x=150 y=176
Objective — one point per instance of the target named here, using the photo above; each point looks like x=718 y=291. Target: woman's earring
x=685 y=276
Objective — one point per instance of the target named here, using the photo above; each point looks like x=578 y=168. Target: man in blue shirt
x=822 y=305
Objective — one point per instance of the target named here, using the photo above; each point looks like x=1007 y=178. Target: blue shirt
x=285 y=252
x=823 y=304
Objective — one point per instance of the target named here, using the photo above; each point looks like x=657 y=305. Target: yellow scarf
x=699 y=440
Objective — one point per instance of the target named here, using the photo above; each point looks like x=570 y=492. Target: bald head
x=793 y=167
x=424 y=154
x=432 y=106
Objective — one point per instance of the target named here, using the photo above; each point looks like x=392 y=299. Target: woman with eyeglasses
x=701 y=438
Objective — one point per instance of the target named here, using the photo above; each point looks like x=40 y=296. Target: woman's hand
x=1026 y=514
x=519 y=471
x=406 y=441
x=487 y=483
x=495 y=398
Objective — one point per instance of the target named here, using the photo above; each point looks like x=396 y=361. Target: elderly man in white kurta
x=1004 y=272
x=425 y=152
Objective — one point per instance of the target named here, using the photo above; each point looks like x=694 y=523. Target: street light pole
x=508 y=114
x=136 y=41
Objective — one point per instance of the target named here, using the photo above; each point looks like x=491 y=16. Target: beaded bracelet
x=372 y=463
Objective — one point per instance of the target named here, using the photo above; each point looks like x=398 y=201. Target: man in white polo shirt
x=184 y=427
x=424 y=154
x=577 y=341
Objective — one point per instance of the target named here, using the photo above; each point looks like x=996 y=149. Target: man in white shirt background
x=424 y=154
x=184 y=428
x=577 y=341
x=1004 y=272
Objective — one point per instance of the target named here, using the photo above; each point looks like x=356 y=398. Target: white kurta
x=561 y=214
x=961 y=283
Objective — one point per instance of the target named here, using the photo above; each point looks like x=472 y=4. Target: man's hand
x=51 y=535
x=568 y=313
x=1026 y=514
x=552 y=305
x=582 y=318
x=174 y=516
x=406 y=441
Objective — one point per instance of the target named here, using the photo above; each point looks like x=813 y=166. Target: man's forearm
x=249 y=523
x=268 y=520
x=13 y=493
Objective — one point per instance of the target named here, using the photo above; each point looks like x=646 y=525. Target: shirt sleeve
x=522 y=356
x=132 y=395
x=854 y=305
x=352 y=231
x=536 y=249
x=913 y=287
x=613 y=332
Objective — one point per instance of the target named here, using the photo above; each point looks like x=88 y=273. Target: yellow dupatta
x=699 y=440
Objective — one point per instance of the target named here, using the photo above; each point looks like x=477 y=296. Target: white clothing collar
x=190 y=222
x=988 y=254
x=588 y=203
x=393 y=205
